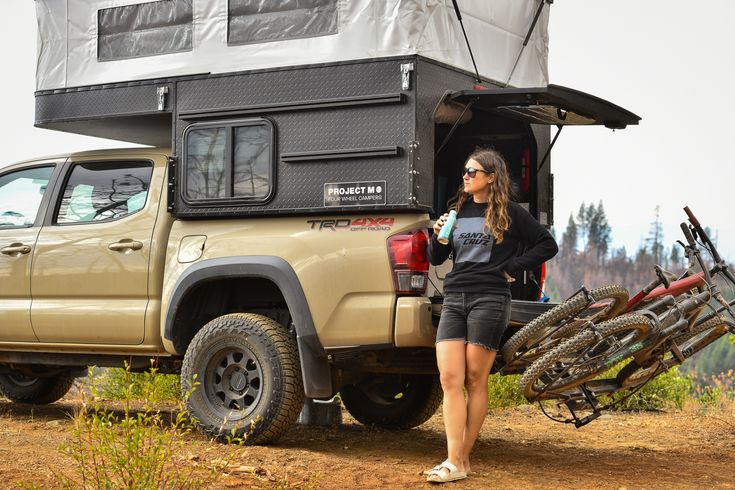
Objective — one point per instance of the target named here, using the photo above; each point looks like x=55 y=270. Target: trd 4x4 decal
x=357 y=224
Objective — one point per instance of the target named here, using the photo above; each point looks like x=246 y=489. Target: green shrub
x=712 y=391
x=118 y=384
x=504 y=392
x=137 y=446
x=665 y=390
x=709 y=396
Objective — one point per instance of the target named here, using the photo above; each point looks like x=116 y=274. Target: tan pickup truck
x=261 y=312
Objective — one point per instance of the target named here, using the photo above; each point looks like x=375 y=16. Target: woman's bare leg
x=450 y=357
x=479 y=360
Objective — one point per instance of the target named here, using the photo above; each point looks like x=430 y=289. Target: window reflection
x=104 y=191
x=206 y=154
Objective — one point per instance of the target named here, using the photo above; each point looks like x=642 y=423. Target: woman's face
x=480 y=183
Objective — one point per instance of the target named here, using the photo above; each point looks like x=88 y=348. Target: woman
x=489 y=232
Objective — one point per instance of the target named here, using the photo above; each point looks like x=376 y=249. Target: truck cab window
x=104 y=191
x=20 y=196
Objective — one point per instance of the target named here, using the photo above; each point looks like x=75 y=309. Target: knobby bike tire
x=563 y=368
x=634 y=374
x=539 y=328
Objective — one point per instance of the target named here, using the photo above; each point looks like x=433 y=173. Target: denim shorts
x=476 y=318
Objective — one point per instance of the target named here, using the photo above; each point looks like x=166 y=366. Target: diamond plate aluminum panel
x=300 y=185
x=290 y=85
x=98 y=103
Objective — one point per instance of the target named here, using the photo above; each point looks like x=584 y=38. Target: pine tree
x=656 y=237
x=582 y=225
x=599 y=231
x=569 y=238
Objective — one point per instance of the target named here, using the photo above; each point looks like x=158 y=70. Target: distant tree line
x=586 y=257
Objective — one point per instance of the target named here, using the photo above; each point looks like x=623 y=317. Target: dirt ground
x=517 y=448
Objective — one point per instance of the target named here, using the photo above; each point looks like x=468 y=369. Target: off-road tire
x=539 y=327
x=633 y=375
x=399 y=402
x=246 y=378
x=542 y=379
x=36 y=390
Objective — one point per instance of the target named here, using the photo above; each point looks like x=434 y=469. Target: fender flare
x=314 y=363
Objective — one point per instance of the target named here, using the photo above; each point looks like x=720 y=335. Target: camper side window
x=144 y=29
x=232 y=161
x=250 y=22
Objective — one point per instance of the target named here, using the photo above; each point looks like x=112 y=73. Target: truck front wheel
x=38 y=390
x=393 y=401
x=242 y=377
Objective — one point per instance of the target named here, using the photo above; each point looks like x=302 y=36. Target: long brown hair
x=497 y=220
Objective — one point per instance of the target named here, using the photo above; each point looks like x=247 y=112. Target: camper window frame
x=230 y=126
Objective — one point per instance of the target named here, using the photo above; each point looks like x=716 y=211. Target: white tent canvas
x=90 y=42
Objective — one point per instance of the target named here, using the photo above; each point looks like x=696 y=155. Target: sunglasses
x=473 y=171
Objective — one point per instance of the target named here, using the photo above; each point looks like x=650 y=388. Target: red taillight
x=409 y=261
x=542 y=280
x=526 y=170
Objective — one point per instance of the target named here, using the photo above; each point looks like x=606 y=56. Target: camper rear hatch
x=551 y=105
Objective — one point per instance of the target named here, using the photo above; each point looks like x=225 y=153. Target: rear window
x=104 y=191
x=230 y=161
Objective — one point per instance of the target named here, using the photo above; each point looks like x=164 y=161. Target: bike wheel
x=690 y=342
x=561 y=322
x=584 y=356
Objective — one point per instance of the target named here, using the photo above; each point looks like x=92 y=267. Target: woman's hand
x=440 y=222
x=508 y=277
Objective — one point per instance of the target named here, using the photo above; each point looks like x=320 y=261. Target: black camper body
x=350 y=137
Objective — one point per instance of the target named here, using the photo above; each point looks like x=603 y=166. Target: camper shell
x=312 y=107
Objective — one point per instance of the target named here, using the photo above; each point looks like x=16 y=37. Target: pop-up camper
x=315 y=98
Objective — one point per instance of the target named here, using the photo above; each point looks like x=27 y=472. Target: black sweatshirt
x=479 y=262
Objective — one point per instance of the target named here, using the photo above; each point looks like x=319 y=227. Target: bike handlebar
x=700 y=231
x=688 y=235
x=692 y=218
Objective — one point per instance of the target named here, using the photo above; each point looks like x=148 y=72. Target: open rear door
x=552 y=105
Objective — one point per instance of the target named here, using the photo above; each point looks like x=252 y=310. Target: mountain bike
x=653 y=339
x=545 y=332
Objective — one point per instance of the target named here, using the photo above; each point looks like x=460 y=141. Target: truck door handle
x=16 y=249
x=124 y=245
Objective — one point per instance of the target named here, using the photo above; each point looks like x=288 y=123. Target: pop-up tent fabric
x=91 y=42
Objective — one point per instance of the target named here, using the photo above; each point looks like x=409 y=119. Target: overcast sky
x=667 y=61
x=670 y=62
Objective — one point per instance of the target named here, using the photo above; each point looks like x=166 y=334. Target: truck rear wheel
x=399 y=401
x=246 y=378
x=40 y=390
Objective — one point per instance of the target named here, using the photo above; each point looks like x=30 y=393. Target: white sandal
x=444 y=473
x=435 y=468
